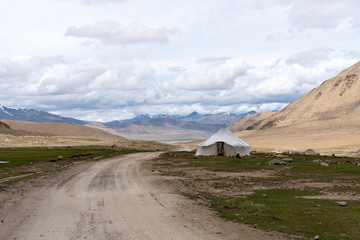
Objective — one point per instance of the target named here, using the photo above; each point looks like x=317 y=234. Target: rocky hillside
x=249 y=122
x=336 y=98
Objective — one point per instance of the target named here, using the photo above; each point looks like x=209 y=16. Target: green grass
x=20 y=156
x=341 y=167
x=283 y=210
x=279 y=206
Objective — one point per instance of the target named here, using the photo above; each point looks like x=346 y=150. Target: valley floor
x=331 y=137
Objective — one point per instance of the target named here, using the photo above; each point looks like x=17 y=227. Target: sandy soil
x=118 y=198
x=340 y=137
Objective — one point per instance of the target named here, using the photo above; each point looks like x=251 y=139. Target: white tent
x=223 y=143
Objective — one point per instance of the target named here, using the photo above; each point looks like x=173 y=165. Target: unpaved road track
x=111 y=199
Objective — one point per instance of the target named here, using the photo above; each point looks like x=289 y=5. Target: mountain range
x=219 y=118
x=141 y=127
x=170 y=127
x=32 y=115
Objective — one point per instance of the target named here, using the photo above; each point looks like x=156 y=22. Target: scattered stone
x=357 y=163
x=357 y=154
x=60 y=157
x=324 y=164
x=294 y=152
x=255 y=226
x=317 y=161
x=276 y=162
x=317 y=237
x=311 y=152
x=288 y=159
x=2 y=221
x=258 y=164
x=342 y=203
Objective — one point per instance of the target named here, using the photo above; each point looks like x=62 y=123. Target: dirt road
x=111 y=199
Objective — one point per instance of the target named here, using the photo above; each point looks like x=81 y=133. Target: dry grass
x=7 y=140
x=60 y=129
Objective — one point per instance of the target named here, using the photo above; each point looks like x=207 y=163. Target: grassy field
x=31 y=162
x=299 y=198
x=19 y=156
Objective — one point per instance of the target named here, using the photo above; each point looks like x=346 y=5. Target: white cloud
x=212 y=75
x=96 y=2
x=94 y=75
x=227 y=55
x=310 y=57
x=110 y=32
x=102 y=1
x=269 y=107
x=323 y=14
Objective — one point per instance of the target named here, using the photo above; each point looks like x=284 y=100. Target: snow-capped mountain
x=33 y=115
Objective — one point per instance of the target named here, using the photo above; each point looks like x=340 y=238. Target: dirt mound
x=60 y=129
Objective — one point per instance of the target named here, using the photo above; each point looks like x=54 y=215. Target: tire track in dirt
x=113 y=199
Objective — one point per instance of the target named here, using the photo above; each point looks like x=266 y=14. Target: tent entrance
x=220 y=148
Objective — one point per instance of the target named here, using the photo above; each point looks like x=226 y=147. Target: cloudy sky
x=114 y=59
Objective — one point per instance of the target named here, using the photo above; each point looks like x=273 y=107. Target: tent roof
x=226 y=136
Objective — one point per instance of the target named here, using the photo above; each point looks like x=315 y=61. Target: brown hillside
x=249 y=122
x=4 y=125
x=325 y=119
x=61 y=129
x=336 y=98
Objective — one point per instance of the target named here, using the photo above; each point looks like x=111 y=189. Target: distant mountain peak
x=33 y=115
x=194 y=113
